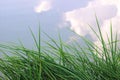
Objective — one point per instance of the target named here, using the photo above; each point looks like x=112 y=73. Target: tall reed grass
x=61 y=61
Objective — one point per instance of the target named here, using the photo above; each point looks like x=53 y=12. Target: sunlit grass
x=62 y=61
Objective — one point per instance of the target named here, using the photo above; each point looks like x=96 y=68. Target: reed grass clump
x=62 y=61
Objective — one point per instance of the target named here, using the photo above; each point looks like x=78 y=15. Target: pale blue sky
x=17 y=15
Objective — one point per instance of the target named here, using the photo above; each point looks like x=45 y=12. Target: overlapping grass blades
x=62 y=61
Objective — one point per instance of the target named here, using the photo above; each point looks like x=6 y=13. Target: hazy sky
x=17 y=15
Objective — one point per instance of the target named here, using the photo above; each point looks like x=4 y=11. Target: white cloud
x=105 y=10
x=43 y=6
